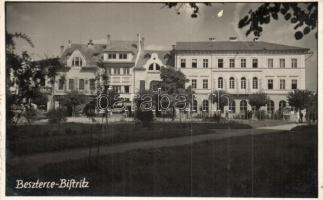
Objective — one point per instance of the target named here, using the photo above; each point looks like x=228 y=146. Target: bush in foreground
x=56 y=115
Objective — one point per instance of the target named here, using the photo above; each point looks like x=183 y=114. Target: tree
x=142 y=114
x=257 y=100
x=299 y=99
x=72 y=100
x=223 y=98
x=303 y=15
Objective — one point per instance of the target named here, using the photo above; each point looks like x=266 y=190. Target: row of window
x=243 y=63
x=270 y=85
x=117 y=70
x=243 y=106
x=121 y=56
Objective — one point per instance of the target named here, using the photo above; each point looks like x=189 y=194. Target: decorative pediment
x=76 y=59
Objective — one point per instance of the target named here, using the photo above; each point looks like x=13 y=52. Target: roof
x=235 y=46
x=166 y=56
x=94 y=53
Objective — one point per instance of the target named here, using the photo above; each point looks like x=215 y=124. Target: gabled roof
x=94 y=53
x=166 y=56
x=235 y=46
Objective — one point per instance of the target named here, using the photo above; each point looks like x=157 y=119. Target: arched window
x=232 y=106
x=151 y=66
x=157 y=67
x=270 y=106
x=220 y=82
x=77 y=61
x=243 y=83
x=205 y=105
x=231 y=81
x=194 y=108
x=282 y=105
x=243 y=105
x=255 y=83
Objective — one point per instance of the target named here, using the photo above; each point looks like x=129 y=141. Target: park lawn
x=30 y=139
x=281 y=164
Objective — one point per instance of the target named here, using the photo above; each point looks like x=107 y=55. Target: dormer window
x=154 y=66
x=123 y=56
x=112 y=56
x=77 y=61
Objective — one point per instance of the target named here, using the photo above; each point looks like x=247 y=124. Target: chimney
x=69 y=43
x=108 y=40
x=233 y=38
x=61 y=48
x=90 y=44
x=212 y=39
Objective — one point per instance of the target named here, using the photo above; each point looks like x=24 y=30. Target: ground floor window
x=205 y=105
x=194 y=108
x=243 y=105
x=282 y=105
x=270 y=106
x=232 y=106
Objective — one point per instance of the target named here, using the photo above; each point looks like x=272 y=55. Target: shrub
x=146 y=117
x=56 y=115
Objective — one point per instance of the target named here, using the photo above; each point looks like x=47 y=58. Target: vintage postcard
x=160 y=99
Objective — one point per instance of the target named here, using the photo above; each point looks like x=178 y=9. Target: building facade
x=235 y=67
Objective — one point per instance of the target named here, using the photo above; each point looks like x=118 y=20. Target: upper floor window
x=294 y=84
x=294 y=63
x=157 y=67
x=282 y=84
x=71 y=84
x=77 y=61
x=194 y=83
x=109 y=70
x=231 y=83
x=81 y=84
x=282 y=63
x=220 y=82
x=151 y=66
x=205 y=63
x=243 y=63
x=254 y=83
x=116 y=88
x=254 y=63
x=123 y=56
x=205 y=84
x=243 y=83
x=117 y=71
x=270 y=63
x=112 y=56
x=231 y=63
x=270 y=84
x=126 y=70
x=126 y=89
x=194 y=63
x=183 y=63
x=61 y=84
x=220 y=63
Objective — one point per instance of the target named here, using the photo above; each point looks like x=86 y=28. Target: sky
x=50 y=25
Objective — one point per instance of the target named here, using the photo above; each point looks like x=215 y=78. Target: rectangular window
x=193 y=83
x=61 y=84
x=220 y=83
x=270 y=84
x=116 y=88
x=294 y=63
x=126 y=89
x=294 y=84
x=81 y=84
x=270 y=63
x=231 y=63
x=126 y=70
x=71 y=84
x=142 y=85
x=92 y=84
x=194 y=63
x=205 y=63
x=282 y=84
x=243 y=63
x=183 y=63
x=282 y=63
x=109 y=70
x=255 y=63
x=123 y=56
x=112 y=56
x=117 y=71
x=220 y=63
x=205 y=84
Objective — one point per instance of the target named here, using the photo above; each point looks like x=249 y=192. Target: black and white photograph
x=161 y=99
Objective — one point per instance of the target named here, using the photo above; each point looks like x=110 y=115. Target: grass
x=23 y=140
x=282 y=164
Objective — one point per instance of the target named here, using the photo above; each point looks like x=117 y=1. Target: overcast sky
x=50 y=25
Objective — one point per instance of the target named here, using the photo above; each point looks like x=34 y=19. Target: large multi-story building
x=235 y=67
